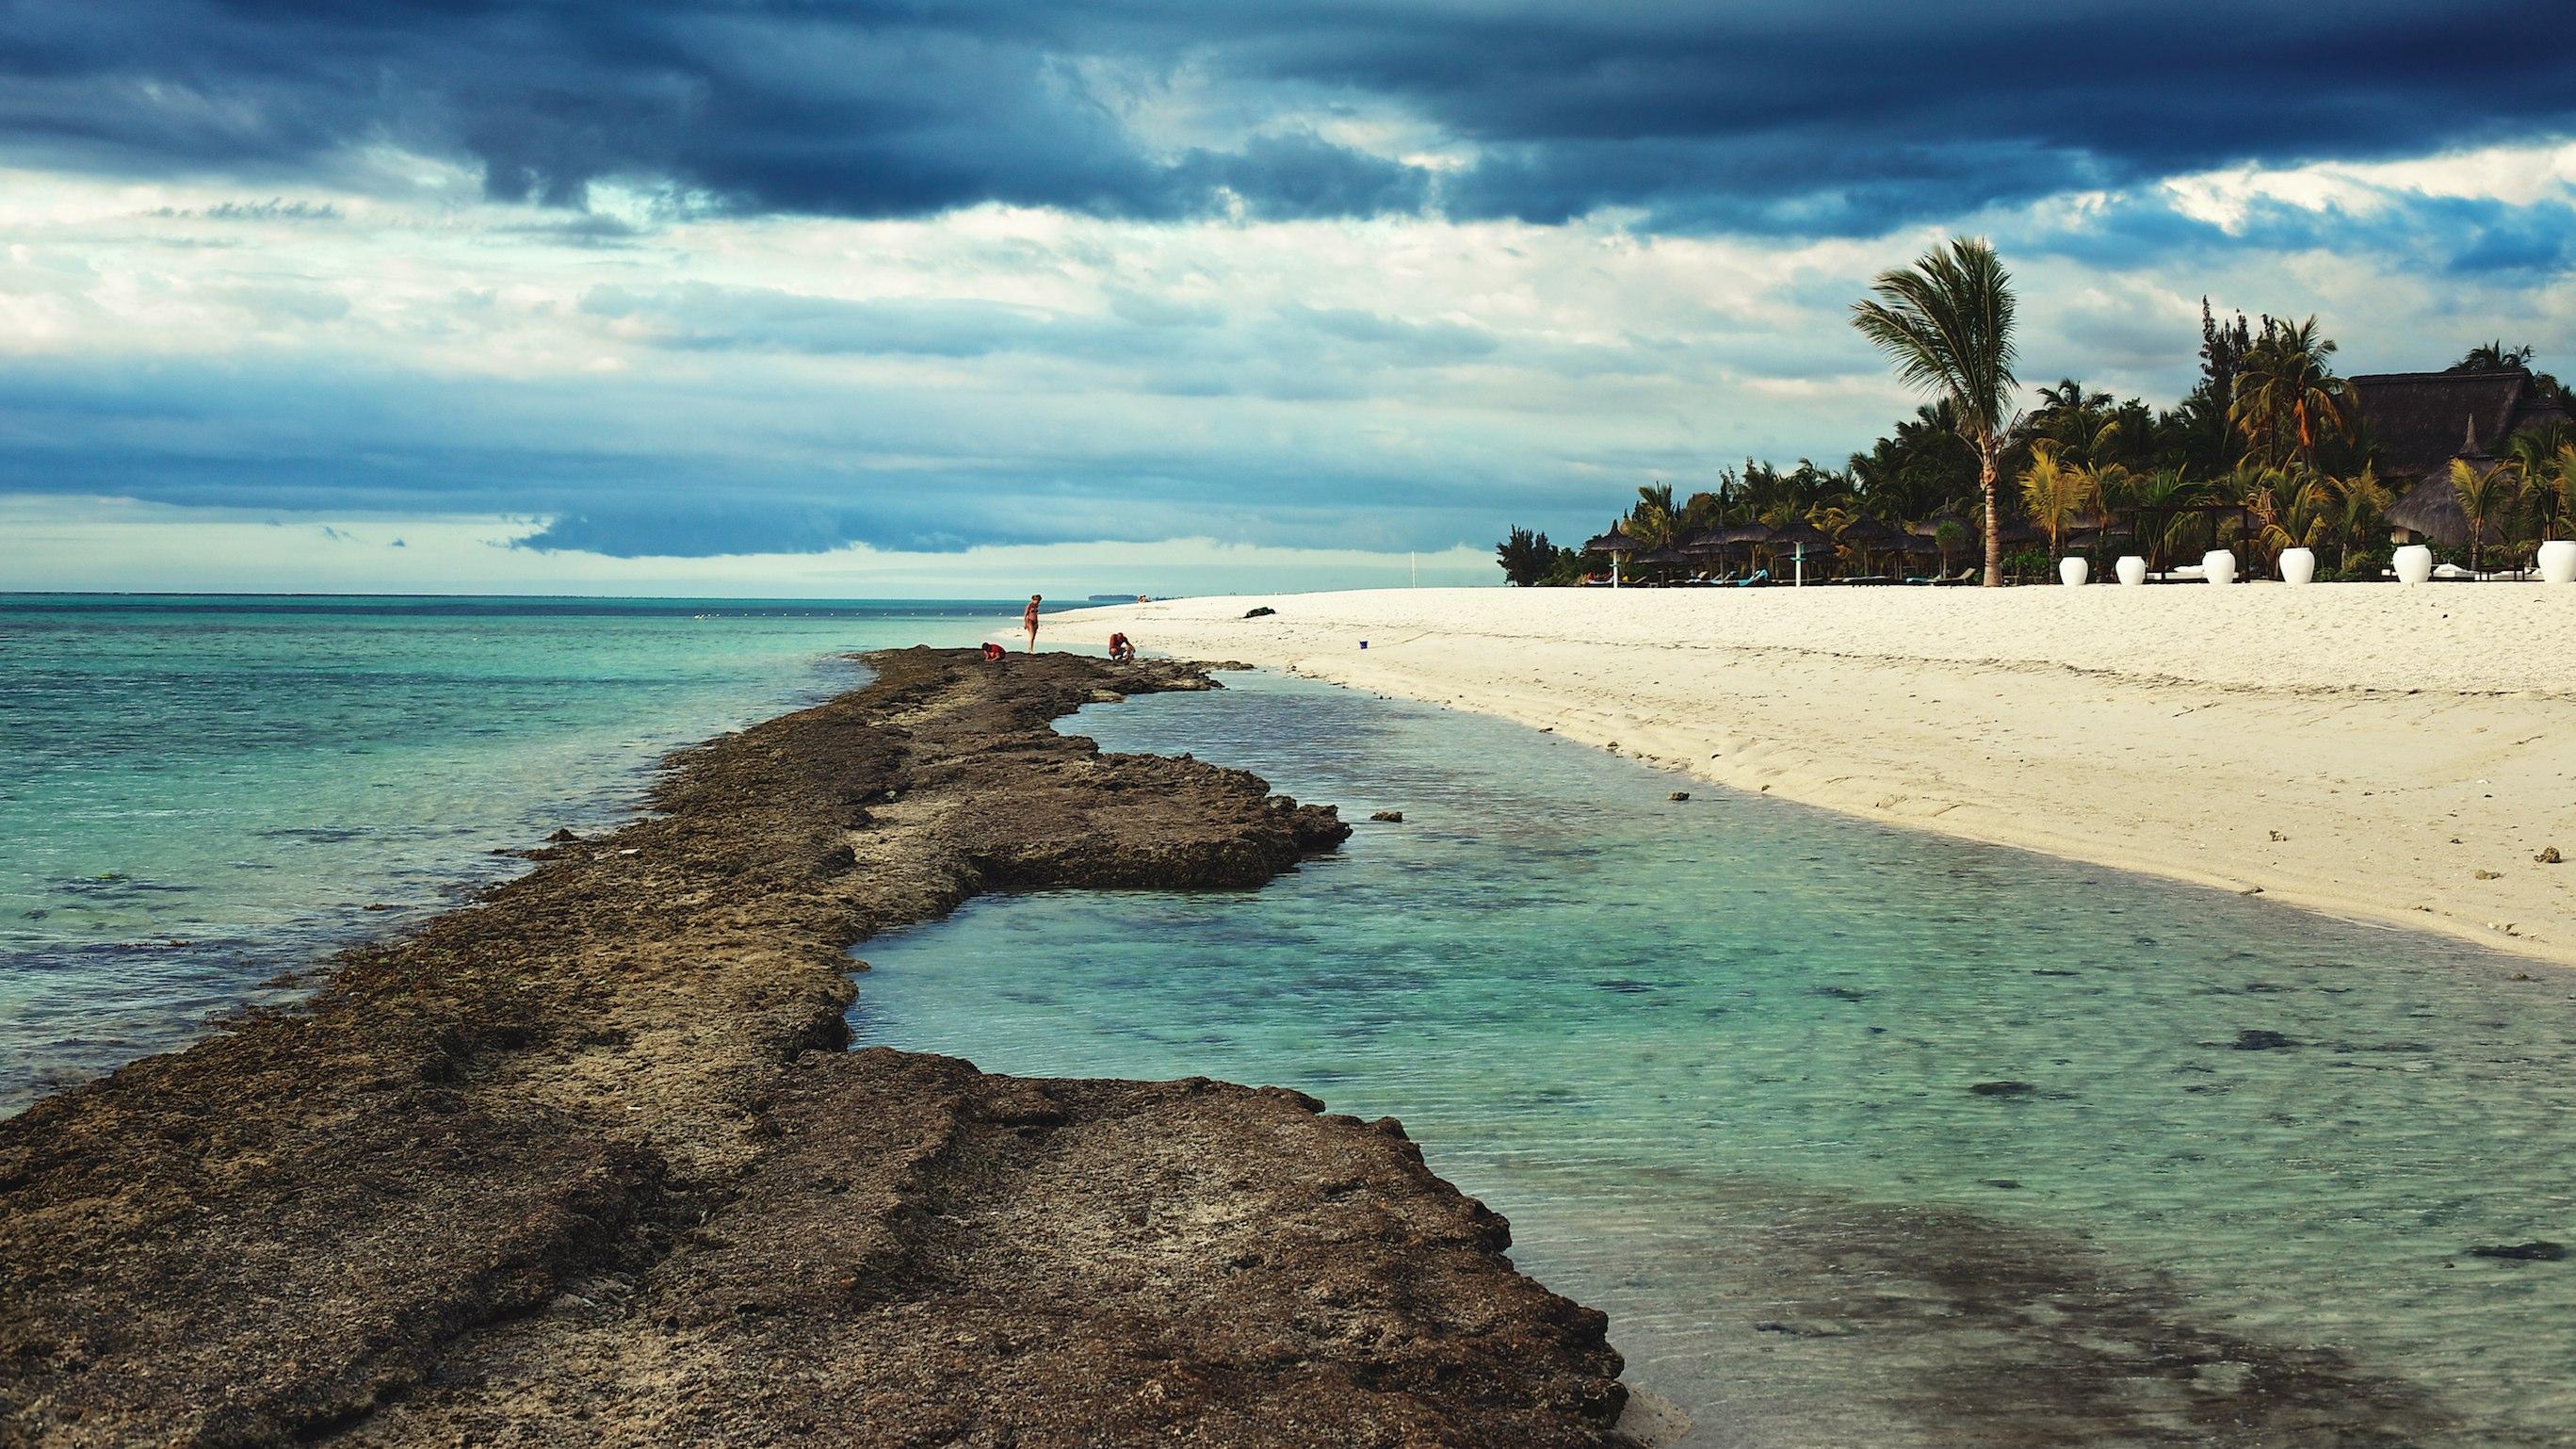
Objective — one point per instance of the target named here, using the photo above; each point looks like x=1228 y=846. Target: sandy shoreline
x=2387 y=754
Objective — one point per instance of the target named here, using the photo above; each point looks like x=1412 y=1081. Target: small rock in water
x=1388 y=817
x=562 y=837
x=2006 y=1183
x=2262 y=1041
x=2003 y=1089
x=1804 y=1330
x=2549 y=855
x=2538 y=1250
x=1678 y=795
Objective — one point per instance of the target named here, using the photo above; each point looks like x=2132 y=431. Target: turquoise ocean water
x=197 y=793
x=1863 y=1138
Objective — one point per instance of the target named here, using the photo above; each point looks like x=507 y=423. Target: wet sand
x=586 y=1160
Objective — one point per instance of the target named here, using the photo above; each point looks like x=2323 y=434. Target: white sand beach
x=2386 y=753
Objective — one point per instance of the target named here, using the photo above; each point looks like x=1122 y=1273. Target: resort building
x=2417 y=422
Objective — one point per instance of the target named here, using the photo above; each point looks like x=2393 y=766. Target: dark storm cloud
x=1765 y=116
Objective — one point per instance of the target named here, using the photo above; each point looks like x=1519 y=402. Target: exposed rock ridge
x=584 y=1161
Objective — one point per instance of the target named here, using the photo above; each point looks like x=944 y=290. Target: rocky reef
x=587 y=1161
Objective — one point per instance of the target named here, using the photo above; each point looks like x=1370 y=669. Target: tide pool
x=198 y=793
x=1862 y=1137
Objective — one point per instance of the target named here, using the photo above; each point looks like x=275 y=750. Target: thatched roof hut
x=1616 y=541
x=1799 y=531
x=1865 y=532
x=1664 y=557
x=1735 y=533
x=2415 y=420
x=2431 y=511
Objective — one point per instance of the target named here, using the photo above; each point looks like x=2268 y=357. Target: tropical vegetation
x=2266 y=452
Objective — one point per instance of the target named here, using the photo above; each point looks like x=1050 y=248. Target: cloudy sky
x=870 y=297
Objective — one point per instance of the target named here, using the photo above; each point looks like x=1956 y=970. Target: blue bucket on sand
x=1363 y=643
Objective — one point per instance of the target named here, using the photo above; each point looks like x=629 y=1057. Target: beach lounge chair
x=1756 y=579
x=1967 y=574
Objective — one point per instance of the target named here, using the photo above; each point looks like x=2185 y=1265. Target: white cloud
x=121 y=545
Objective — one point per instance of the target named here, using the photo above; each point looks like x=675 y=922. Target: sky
x=912 y=297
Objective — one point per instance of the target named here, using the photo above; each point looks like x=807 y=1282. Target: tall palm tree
x=2486 y=496
x=2287 y=389
x=1947 y=324
x=2056 y=492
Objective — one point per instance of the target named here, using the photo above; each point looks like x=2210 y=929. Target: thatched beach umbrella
x=1798 y=535
x=1728 y=536
x=1617 y=543
x=1665 y=557
x=1866 y=535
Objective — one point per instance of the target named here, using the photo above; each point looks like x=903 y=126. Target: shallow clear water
x=197 y=793
x=1719 y=1062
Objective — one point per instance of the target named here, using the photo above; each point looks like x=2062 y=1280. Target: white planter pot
x=2072 y=571
x=2220 y=565
x=2414 y=564
x=2558 y=561
x=2131 y=569
x=2298 y=565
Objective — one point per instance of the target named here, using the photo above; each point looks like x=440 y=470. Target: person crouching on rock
x=1121 y=651
x=1029 y=621
x=992 y=652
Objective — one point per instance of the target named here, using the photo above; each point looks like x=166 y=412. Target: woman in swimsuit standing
x=1029 y=621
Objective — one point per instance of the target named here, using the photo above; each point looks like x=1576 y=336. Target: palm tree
x=1651 y=521
x=2155 y=493
x=2292 y=508
x=2056 y=492
x=2494 y=357
x=2082 y=423
x=2554 y=480
x=1947 y=324
x=2288 y=387
x=2356 y=504
x=2486 y=496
